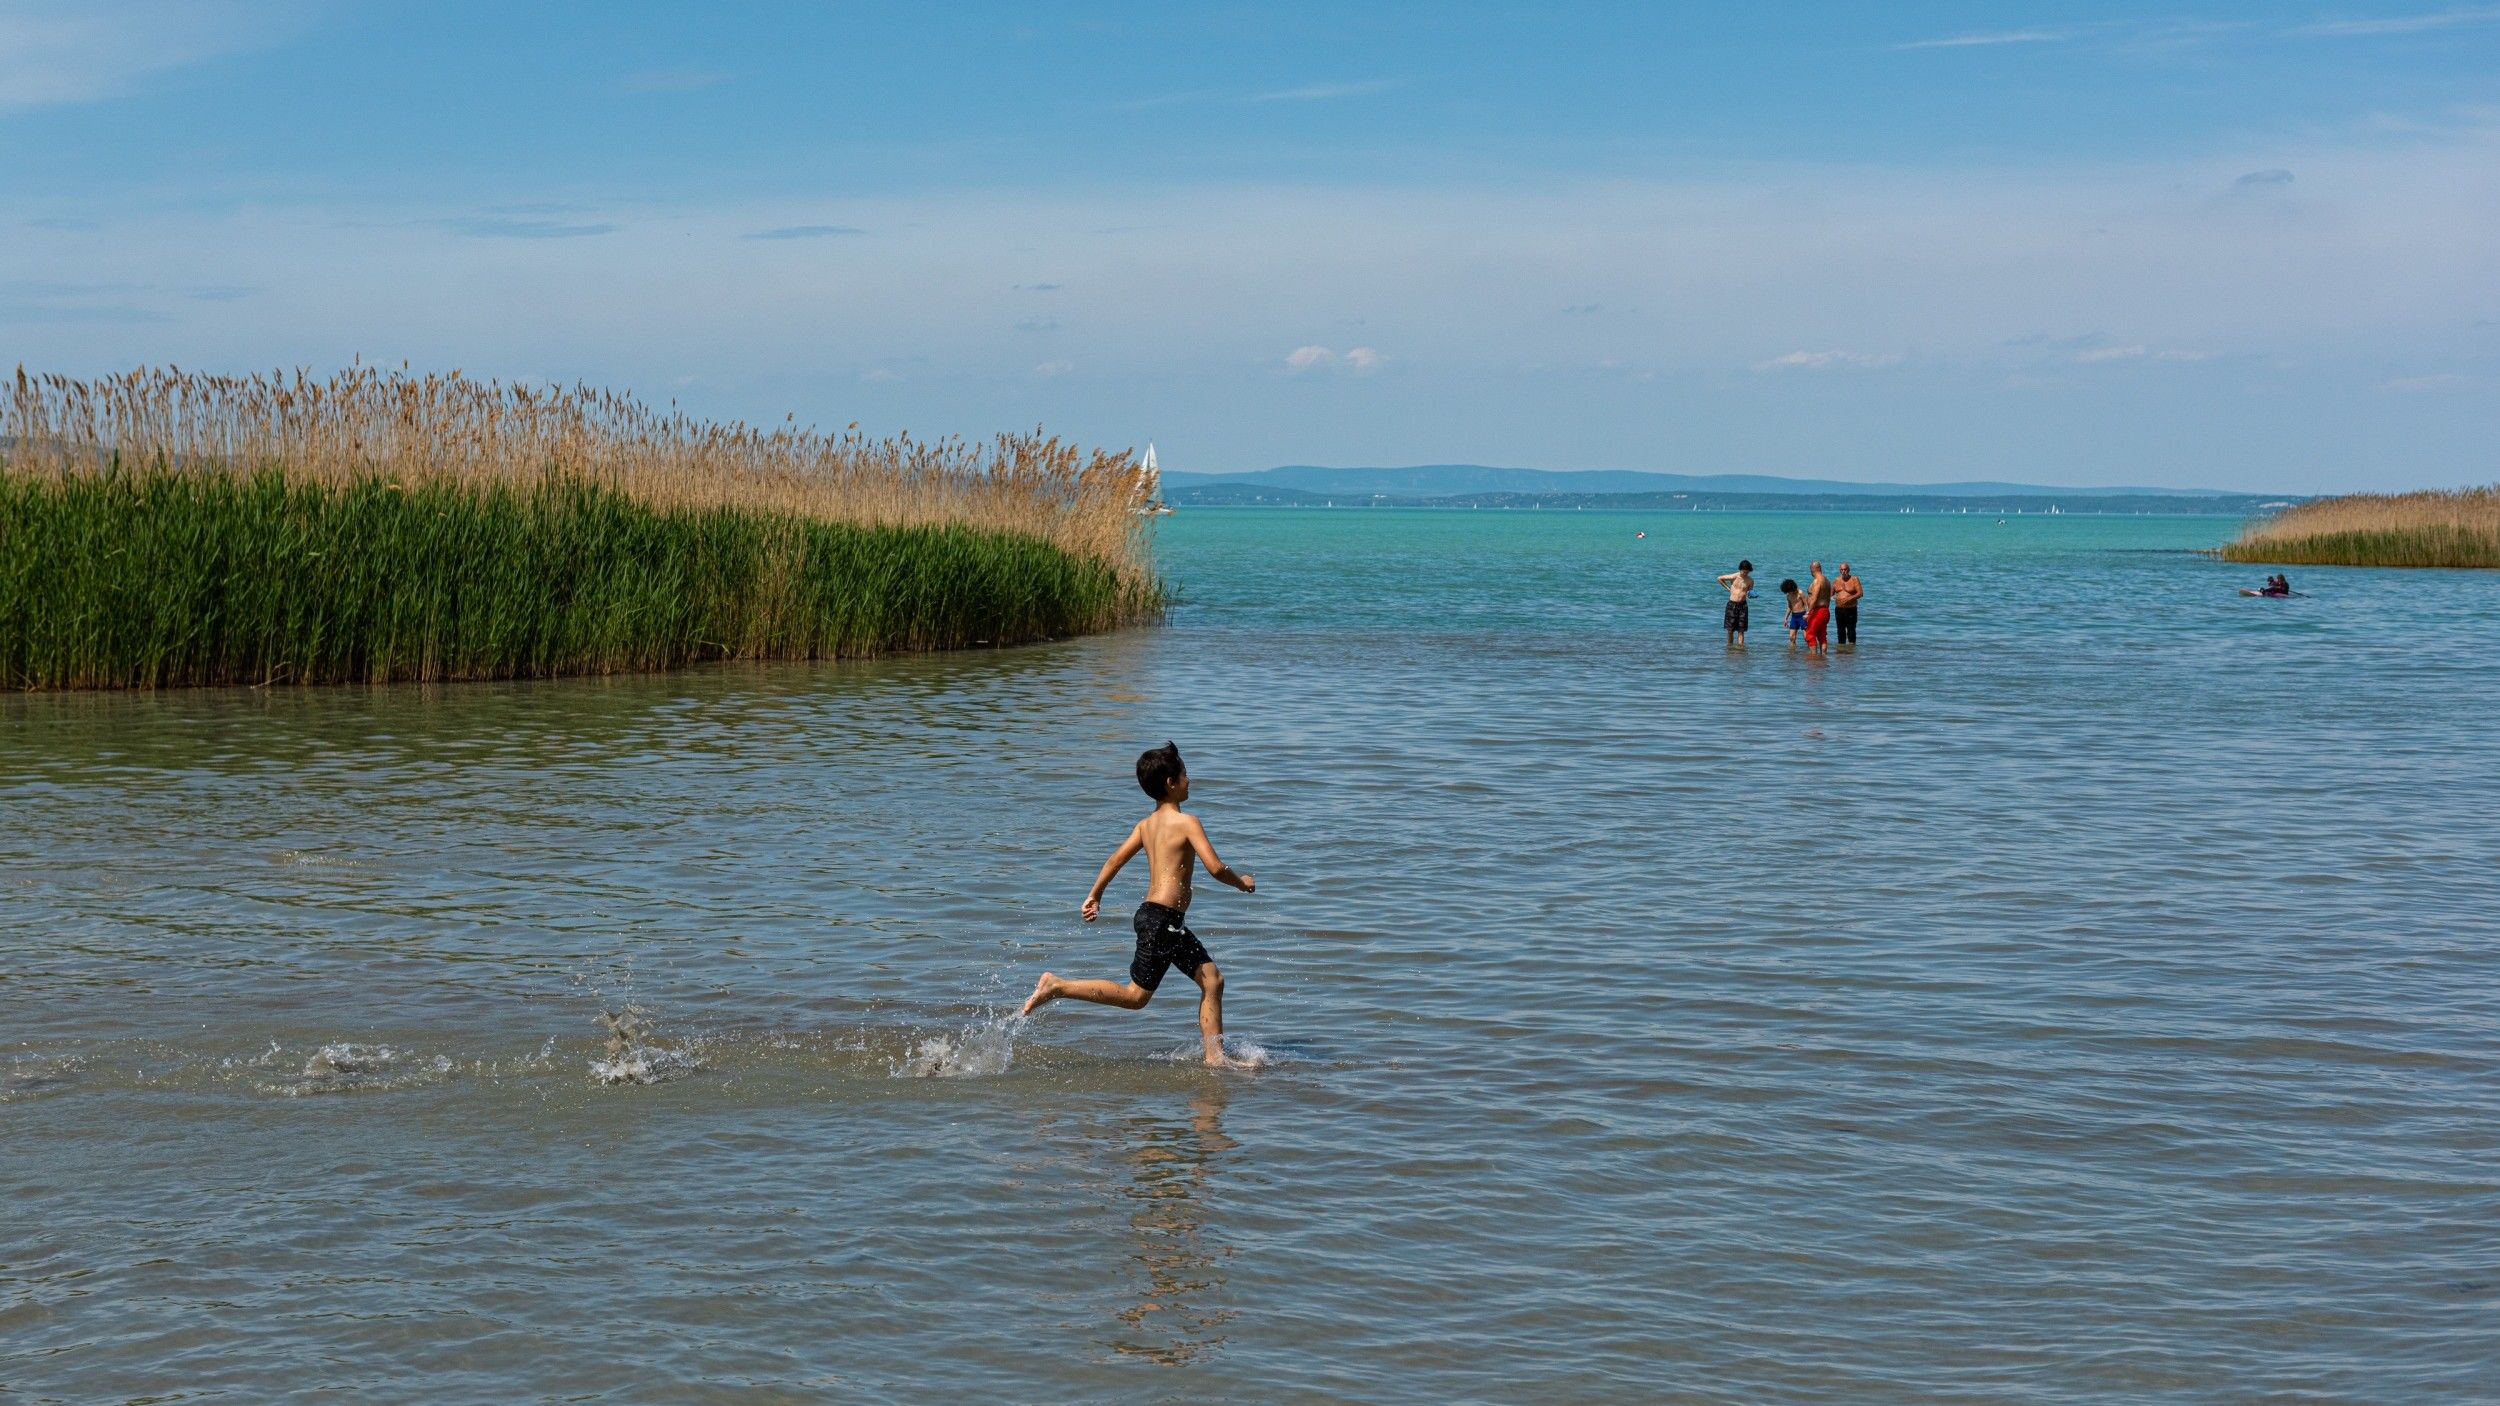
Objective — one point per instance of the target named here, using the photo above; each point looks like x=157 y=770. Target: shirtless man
x=1845 y=593
x=1739 y=616
x=1818 y=611
x=1174 y=843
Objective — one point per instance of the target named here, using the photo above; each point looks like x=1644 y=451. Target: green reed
x=156 y=578
x=2412 y=546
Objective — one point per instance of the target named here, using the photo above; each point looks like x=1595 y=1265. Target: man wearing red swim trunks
x=1819 y=612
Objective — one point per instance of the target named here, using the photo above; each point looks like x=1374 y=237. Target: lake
x=2087 y=989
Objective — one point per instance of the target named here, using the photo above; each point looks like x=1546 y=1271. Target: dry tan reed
x=365 y=422
x=2458 y=527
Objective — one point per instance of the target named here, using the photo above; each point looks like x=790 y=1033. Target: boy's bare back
x=1170 y=837
x=1174 y=844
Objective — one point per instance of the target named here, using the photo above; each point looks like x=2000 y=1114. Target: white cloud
x=52 y=51
x=2415 y=385
x=1357 y=359
x=2096 y=356
x=1975 y=41
x=803 y=232
x=1323 y=92
x=1829 y=361
x=1054 y=368
x=880 y=376
x=505 y=227
x=2399 y=24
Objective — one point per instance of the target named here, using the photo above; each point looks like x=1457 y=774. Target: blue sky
x=2244 y=246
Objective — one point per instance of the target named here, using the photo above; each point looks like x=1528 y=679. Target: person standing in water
x=1174 y=843
x=1796 y=609
x=1845 y=594
x=1739 y=616
x=1818 y=611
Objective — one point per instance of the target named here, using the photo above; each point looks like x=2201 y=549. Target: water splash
x=31 y=1075
x=634 y=1055
x=348 y=1067
x=1240 y=1052
x=981 y=1049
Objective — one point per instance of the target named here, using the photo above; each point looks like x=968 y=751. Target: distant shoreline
x=1252 y=496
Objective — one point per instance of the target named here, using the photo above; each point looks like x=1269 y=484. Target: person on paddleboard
x=1174 y=843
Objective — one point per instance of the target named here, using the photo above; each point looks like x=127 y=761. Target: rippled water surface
x=2087 y=990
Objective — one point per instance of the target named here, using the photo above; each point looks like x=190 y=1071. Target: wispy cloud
x=1038 y=324
x=1977 y=41
x=1306 y=93
x=1315 y=358
x=1829 y=361
x=803 y=232
x=504 y=227
x=1037 y=287
x=1054 y=368
x=2102 y=356
x=74 y=51
x=2417 y=385
x=2275 y=176
x=1324 y=92
x=1580 y=310
x=2398 y=24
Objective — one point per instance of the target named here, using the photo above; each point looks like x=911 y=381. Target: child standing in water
x=1174 y=843
x=1796 y=609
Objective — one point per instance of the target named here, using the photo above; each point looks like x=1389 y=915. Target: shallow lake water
x=2088 y=989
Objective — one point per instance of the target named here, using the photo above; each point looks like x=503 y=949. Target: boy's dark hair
x=1157 y=769
x=1744 y=566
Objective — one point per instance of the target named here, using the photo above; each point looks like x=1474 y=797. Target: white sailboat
x=1150 y=485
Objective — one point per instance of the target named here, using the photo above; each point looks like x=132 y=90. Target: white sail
x=1148 y=476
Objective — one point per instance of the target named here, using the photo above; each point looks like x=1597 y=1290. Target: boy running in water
x=1174 y=843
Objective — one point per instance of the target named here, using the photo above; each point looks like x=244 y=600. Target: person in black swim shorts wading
x=1175 y=843
x=1739 y=616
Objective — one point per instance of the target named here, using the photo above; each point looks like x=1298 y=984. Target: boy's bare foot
x=1043 y=990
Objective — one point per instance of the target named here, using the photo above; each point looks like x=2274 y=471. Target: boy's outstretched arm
x=1111 y=867
x=1215 y=867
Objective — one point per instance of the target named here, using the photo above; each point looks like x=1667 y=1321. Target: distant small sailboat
x=1150 y=485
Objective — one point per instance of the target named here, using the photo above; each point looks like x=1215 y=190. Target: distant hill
x=1448 y=480
x=1240 y=495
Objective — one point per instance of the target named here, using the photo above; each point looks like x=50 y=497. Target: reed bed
x=164 y=528
x=2459 y=527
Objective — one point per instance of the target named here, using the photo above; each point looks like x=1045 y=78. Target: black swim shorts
x=1163 y=941
x=1739 y=616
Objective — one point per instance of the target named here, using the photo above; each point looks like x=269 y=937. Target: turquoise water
x=2082 y=991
